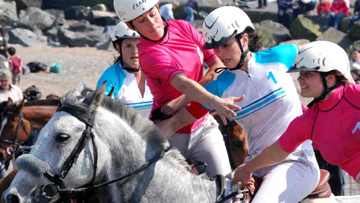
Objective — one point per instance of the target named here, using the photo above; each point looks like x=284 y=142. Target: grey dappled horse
x=123 y=142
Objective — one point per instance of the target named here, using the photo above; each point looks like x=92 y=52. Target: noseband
x=88 y=120
x=13 y=143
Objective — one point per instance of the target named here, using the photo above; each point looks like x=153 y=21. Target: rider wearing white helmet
x=271 y=100
x=172 y=57
x=332 y=123
x=123 y=75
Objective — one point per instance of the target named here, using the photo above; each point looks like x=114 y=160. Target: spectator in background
x=304 y=7
x=7 y=90
x=188 y=8
x=356 y=15
x=355 y=65
x=339 y=10
x=166 y=10
x=3 y=44
x=323 y=7
x=285 y=11
x=16 y=65
x=262 y=4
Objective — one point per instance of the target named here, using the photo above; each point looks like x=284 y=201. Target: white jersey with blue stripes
x=271 y=100
x=126 y=89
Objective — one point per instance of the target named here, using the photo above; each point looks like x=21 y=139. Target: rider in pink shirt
x=342 y=110
x=179 y=51
x=332 y=122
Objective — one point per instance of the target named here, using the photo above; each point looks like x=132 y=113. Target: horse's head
x=89 y=140
x=14 y=128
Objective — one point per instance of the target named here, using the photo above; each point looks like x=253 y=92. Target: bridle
x=14 y=143
x=67 y=194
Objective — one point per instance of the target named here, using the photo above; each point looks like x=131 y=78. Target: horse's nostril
x=11 y=198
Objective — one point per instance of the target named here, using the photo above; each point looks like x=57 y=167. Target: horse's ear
x=10 y=102
x=111 y=92
x=99 y=95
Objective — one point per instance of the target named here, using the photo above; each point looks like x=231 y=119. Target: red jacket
x=340 y=6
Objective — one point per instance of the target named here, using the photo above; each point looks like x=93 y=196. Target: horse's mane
x=143 y=126
x=42 y=103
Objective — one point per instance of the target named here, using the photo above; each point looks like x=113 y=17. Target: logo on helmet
x=137 y=5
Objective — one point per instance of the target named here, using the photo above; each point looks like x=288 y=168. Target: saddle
x=322 y=190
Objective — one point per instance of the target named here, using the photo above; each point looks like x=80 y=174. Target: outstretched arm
x=196 y=92
x=271 y=155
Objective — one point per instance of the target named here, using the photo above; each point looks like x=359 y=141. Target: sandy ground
x=78 y=64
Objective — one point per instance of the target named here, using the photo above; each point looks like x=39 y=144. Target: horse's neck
x=38 y=116
x=162 y=182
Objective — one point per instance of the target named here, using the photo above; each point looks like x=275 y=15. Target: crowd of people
x=159 y=72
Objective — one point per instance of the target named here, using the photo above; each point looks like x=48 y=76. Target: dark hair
x=119 y=41
x=254 y=39
x=340 y=78
x=11 y=50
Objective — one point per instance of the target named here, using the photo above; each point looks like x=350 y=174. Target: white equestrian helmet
x=122 y=31
x=322 y=56
x=128 y=10
x=223 y=24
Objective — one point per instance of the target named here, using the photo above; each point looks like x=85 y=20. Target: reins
x=20 y=124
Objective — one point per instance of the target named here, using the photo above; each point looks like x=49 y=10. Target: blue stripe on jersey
x=284 y=54
x=260 y=103
x=114 y=76
x=218 y=86
x=139 y=106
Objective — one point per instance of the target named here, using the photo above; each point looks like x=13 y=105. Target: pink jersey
x=180 y=51
x=334 y=126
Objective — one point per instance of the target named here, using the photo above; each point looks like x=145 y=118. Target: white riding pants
x=204 y=144
x=289 y=181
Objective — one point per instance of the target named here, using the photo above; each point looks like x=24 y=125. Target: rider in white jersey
x=271 y=101
x=125 y=76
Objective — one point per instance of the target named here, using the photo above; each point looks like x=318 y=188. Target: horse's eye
x=62 y=137
x=237 y=144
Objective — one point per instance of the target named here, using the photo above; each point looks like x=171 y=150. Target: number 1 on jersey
x=271 y=75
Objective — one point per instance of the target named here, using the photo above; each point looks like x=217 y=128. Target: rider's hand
x=174 y=105
x=242 y=175
x=224 y=106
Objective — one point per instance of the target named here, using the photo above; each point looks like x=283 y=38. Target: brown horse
x=235 y=141
x=17 y=121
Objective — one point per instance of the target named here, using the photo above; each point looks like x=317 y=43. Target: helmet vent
x=324 y=61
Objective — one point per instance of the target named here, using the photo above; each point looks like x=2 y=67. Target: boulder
x=23 y=37
x=355 y=45
x=36 y=19
x=103 y=18
x=99 y=7
x=336 y=36
x=81 y=35
x=59 y=15
x=7 y=13
x=272 y=33
x=344 y=24
x=60 y=4
x=304 y=28
x=354 y=32
x=105 y=45
x=299 y=42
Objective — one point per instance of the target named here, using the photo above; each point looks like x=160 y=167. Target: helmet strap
x=242 y=56
x=326 y=89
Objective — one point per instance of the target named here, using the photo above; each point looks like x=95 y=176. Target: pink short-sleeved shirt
x=180 y=51
x=334 y=126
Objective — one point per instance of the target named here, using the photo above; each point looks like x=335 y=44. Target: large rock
x=24 y=37
x=81 y=35
x=272 y=33
x=354 y=32
x=354 y=46
x=59 y=15
x=304 y=28
x=7 y=13
x=36 y=19
x=103 y=18
x=299 y=42
x=336 y=36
